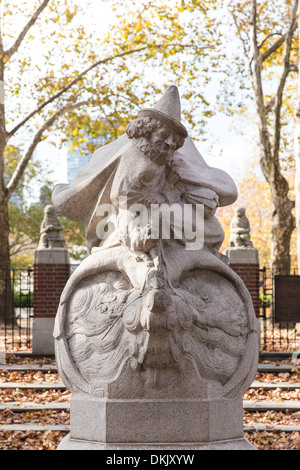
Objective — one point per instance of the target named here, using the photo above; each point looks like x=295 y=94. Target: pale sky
x=225 y=147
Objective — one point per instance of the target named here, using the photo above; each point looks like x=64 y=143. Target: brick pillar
x=51 y=272
x=245 y=262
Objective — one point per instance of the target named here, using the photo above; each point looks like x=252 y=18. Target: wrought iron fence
x=279 y=332
x=16 y=309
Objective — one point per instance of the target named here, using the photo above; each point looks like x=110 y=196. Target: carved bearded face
x=165 y=142
x=156 y=140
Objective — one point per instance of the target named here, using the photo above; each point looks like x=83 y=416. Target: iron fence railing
x=275 y=335
x=16 y=312
x=16 y=308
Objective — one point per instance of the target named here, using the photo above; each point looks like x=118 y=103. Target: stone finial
x=51 y=230
x=240 y=229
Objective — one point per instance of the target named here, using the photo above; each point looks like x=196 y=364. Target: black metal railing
x=277 y=335
x=16 y=309
x=16 y=312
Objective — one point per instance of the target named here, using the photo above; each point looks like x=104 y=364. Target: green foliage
x=23 y=299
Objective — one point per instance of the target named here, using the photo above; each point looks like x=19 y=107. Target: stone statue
x=154 y=332
x=240 y=229
x=51 y=228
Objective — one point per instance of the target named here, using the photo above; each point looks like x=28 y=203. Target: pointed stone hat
x=167 y=110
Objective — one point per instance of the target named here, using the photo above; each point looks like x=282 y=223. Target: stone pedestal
x=51 y=272
x=103 y=424
x=245 y=262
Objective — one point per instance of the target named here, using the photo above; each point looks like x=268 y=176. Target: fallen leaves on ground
x=15 y=359
x=28 y=376
x=19 y=396
x=274 y=395
x=41 y=417
x=49 y=440
x=274 y=440
x=271 y=418
x=291 y=377
x=30 y=440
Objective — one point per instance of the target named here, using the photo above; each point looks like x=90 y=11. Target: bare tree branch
x=25 y=30
x=69 y=86
x=268 y=37
x=266 y=153
x=246 y=56
x=277 y=44
x=270 y=105
x=85 y=72
x=294 y=68
x=19 y=171
x=21 y=243
x=282 y=81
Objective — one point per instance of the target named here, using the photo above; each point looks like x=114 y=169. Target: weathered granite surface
x=155 y=337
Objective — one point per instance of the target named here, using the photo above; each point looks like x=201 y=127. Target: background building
x=81 y=156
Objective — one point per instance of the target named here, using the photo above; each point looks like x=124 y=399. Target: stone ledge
x=242 y=255
x=164 y=420
x=233 y=444
x=52 y=256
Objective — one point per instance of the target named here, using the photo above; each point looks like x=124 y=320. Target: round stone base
x=233 y=444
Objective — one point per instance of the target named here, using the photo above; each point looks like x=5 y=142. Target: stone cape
x=92 y=184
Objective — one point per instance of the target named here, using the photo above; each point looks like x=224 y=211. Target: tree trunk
x=297 y=177
x=297 y=159
x=283 y=224
x=6 y=299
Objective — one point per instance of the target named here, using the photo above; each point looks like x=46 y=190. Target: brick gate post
x=51 y=272
x=244 y=258
x=245 y=262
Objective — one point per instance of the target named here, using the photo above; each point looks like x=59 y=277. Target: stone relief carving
x=51 y=230
x=146 y=317
x=240 y=229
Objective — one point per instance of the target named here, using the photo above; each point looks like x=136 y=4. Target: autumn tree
x=297 y=151
x=268 y=36
x=255 y=196
x=56 y=73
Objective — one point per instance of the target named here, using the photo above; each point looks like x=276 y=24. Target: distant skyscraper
x=80 y=156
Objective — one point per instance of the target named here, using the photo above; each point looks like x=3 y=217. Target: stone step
x=32 y=406
x=33 y=386
x=60 y=386
x=28 y=367
x=66 y=428
x=278 y=427
x=274 y=385
x=35 y=427
x=270 y=405
x=248 y=405
x=264 y=368
x=275 y=355
x=52 y=367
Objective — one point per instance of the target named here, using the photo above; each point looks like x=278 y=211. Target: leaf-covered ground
x=49 y=440
x=30 y=440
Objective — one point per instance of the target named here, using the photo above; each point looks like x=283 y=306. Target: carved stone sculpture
x=51 y=272
x=240 y=229
x=155 y=336
x=51 y=228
